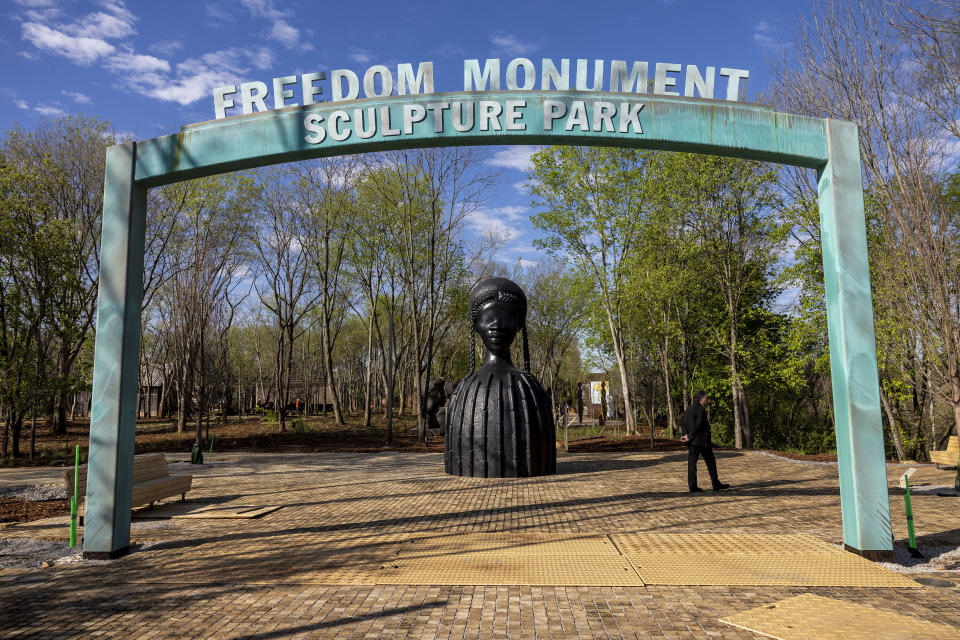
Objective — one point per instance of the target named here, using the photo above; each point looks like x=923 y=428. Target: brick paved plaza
x=285 y=574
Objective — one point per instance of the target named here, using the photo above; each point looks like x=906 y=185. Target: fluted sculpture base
x=500 y=426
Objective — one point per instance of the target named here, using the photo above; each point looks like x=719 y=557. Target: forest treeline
x=344 y=282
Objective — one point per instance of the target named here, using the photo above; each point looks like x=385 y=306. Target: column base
x=106 y=555
x=876 y=555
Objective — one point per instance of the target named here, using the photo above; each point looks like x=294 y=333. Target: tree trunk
x=185 y=391
x=328 y=369
x=391 y=366
x=894 y=429
x=666 y=385
x=6 y=432
x=624 y=384
x=738 y=427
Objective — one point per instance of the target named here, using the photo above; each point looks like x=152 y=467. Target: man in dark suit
x=696 y=435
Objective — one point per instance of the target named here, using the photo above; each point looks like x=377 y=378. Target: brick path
x=252 y=578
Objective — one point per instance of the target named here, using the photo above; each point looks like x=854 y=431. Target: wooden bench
x=948 y=457
x=151 y=482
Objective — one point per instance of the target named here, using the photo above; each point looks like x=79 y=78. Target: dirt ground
x=19 y=510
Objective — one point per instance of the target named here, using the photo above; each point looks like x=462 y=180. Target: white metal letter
x=733 y=84
x=412 y=113
x=253 y=93
x=405 y=78
x=513 y=114
x=333 y=126
x=280 y=94
x=309 y=90
x=529 y=74
x=548 y=73
x=695 y=80
x=473 y=80
x=661 y=81
x=582 y=75
x=353 y=85
x=620 y=81
x=630 y=114
x=552 y=110
x=221 y=102
x=312 y=124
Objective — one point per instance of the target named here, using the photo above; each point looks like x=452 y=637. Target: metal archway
x=513 y=117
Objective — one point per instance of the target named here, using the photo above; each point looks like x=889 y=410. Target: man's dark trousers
x=695 y=451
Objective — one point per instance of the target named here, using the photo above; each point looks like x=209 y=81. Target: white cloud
x=765 y=36
x=521 y=187
x=35 y=4
x=77 y=97
x=264 y=8
x=261 y=58
x=280 y=29
x=360 y=55
x=165 y=47
x=84 y=40
x=516 y=157
x=87 y=40
x=53 y=109
x=81 y=50
x=500 y=220
x=510 y=45
x=104 y=25
x=194 y=78
x=136 y=63
x=48 y=110
x=217 y=12
x=288 y=36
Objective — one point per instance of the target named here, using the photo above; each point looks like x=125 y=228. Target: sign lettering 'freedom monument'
x=499 y=106
x=520 y=75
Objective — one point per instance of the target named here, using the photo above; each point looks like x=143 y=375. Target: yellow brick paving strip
x=810 y=616
x=750 y=559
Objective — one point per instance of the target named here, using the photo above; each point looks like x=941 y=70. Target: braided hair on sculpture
x=473 y=349
x=503 y=290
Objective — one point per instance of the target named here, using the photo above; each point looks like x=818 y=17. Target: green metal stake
x=905 y=483
x=212 y=437
x=73 y=500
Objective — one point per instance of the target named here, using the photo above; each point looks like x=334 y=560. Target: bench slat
x=151 y=481
x=949 y=455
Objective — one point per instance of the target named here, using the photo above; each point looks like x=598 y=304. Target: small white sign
x=903 y=478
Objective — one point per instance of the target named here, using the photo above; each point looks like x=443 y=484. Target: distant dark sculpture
x=580 y=403
x=500 y=424
x=603 y=404
x=436 y=398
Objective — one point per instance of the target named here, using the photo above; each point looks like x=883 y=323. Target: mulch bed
x=17 y=510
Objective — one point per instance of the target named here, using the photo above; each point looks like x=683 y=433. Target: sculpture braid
x=526 y=350
x=473 y=350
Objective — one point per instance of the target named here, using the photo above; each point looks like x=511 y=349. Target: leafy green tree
x=592 y=204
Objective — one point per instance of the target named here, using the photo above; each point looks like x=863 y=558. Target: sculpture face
x=498 y=323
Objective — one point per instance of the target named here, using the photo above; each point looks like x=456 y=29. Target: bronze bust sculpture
x=500 y=424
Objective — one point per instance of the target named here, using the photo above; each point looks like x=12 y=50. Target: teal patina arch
x=652 y=122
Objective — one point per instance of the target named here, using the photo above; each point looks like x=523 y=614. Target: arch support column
x=861 y=457
x=106 y=531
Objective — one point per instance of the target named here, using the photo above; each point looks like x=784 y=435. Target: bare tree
x=892 y=70
x=285 y=275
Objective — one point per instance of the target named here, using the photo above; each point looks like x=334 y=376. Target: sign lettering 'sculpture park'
x=607 y=113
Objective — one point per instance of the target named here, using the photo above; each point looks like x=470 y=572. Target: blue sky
x=149 y=67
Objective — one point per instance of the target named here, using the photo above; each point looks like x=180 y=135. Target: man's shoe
x=696 y=490
x=721 y=487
